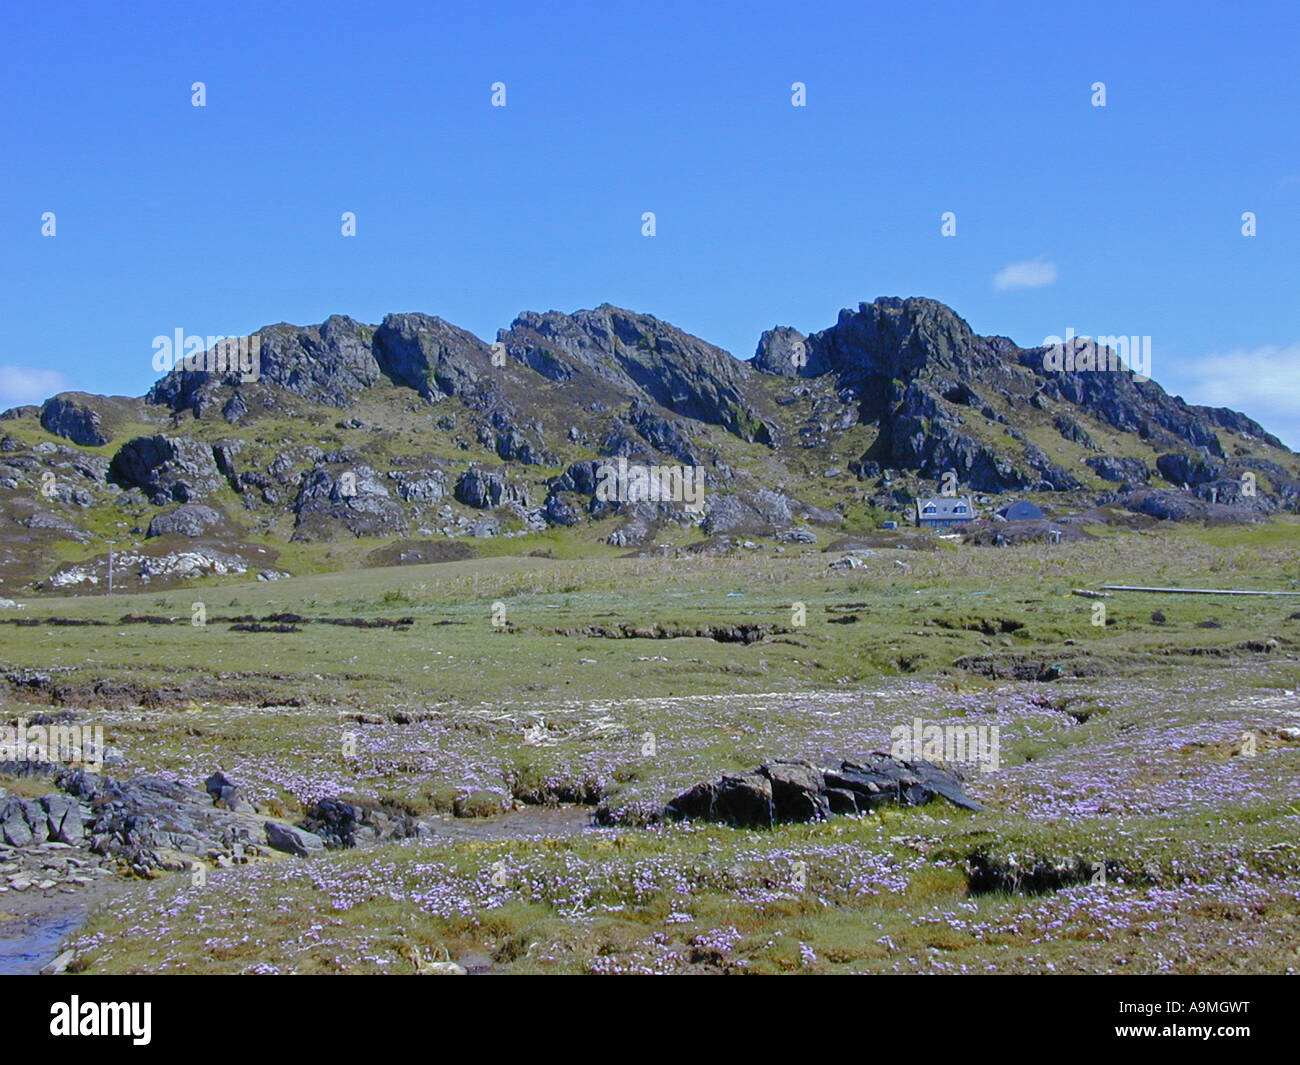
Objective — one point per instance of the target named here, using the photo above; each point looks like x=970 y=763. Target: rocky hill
x=415 y=440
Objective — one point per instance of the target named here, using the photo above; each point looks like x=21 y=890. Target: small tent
x=1022 y=510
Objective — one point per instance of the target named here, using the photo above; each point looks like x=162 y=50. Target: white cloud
x=28 y=384
x=1028 y=273
x=1263 y=383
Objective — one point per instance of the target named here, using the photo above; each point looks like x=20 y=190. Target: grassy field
x=1143 y=816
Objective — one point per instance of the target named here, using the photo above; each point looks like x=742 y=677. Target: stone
x=484 y=488
x=354 y=498
x=226 y=794
x=743 y=799
x=63 y=819
x=69 y=415
x=797 y=791
x=168 y=469
x=22 y=823
x=59 y=964
x=293 y=840
x=192 y=519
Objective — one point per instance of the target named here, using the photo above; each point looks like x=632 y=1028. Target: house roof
x=946 y=508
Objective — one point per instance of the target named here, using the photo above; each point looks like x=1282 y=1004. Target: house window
x=959 y=509
x=929 y=509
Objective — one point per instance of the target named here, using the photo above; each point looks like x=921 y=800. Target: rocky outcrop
x=345 y=824
x=1074 y=432
x=483 y=489
x=31 y=822
x=1184 y=469
x=419 y=486
x=167 y=469
x=353 y=497
x=431 y=356
x=1128 y=471
x=227 y=795
x=330 y=363
x=293 y=840
x=913 y=384
x=762 y=512
x=1182 y=506
x=149 y=823
x=784 y=351
x=793 y=791
x=641 y=358
x=192 y=519
x=70 y=416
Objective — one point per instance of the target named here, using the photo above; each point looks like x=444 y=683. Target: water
x=28 y=943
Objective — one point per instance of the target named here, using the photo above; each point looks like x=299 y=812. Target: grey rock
x=785 y=351
x=744 y=800
x=485 y=488
x=355 y=499
x=420 y=486
x=166 y=468
x=69 y=416
x=347 y=824
x=1187 y=469
x=797 y=791
x=191 y=519
x=431 y=356
x=329 y=363
x=794 y=791
x=642 y=358
x=1130 y=471
x=63 y=819
x=22 y=823
x=293 y=840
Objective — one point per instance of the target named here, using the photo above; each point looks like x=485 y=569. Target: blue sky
x=224 y=218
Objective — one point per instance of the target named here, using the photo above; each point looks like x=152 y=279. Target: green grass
x=441 y=711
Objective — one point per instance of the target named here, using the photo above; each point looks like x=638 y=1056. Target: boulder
x=192 y=519
x=22 y=823
x=344 y=824
x=743 y=799
x=419 y=486
x=797 y=791
x=227 y=795
x=63 y=819
x=293 y=840
x=1130 y=471
x=1183 y=469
